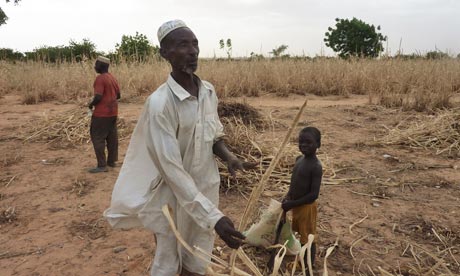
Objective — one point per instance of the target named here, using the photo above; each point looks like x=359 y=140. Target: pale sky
x=253 y=25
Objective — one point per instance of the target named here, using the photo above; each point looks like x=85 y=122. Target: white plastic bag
x=263 y=233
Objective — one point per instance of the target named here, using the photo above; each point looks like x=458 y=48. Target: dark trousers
x=102 y=130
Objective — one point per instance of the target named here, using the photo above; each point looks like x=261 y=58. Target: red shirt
x=107 y=86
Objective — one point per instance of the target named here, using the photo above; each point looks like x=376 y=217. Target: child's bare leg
x=313 y=255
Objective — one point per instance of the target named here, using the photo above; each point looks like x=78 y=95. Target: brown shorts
x=304 y=221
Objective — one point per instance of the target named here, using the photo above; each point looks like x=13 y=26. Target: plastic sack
x=293 y=245
x=263 y=233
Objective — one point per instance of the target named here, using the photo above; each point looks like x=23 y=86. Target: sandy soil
x=58 y=229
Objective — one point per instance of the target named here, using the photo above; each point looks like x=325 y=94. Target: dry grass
x=439 y=132
x=248 y=114
x=434 y=248
x=80 y=187
x=41 y=82
x=92 y=228
x=410 y=84
x=10 y=159
x=65 y=129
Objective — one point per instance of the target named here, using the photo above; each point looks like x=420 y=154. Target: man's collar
x=179 y=91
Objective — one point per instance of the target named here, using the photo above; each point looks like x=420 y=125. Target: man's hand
x=288 y=205
x=235 y=164
x=227 y=232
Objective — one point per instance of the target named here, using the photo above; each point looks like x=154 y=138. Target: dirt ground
x=400 y=213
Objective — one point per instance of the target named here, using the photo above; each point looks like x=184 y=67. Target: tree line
x=131 y=48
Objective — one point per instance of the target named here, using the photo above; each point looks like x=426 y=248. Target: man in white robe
x=170 y=161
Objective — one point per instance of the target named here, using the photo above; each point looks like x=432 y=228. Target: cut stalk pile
x=65 y=129
x=440 y=133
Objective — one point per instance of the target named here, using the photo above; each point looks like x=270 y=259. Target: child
x=304 y=188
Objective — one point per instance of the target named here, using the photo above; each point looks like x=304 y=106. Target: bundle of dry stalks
x=440 y=133
x=241 y=111
x=65 y=129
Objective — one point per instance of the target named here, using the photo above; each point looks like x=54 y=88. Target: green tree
x=10 y=54
x=226 y=46
x=51 y=54
x=354 y=38
x=75 y=51
x=3 y=17
x=82 y=50
x=254 y=56
x=278 y=51
x=136 y=48
x=436 y=55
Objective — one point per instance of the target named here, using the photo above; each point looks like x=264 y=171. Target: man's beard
x=188 y=69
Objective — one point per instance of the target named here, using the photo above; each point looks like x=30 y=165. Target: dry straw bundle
x=246 y=113
x=440 y=132
x=65 y=129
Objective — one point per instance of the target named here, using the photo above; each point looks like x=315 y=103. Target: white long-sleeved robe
x=170 y=161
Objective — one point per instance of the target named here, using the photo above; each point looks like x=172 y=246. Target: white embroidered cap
x=103 y=59
x=168 y=27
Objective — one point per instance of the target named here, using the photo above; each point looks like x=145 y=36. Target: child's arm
x=317 y=175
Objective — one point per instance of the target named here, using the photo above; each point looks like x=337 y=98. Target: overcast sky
x=253 y=25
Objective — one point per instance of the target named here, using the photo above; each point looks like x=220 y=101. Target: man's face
x=181 y=50
x=307 y=144
x=97 y=67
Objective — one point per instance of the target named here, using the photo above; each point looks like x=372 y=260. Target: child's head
x=309 y=140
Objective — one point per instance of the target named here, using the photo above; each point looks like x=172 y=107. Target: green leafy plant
x=49 y=53
x=75 y=51
x=3 y=17
x=436 y=55
x=82 y=50
x=278 y=51
x=10 y=54
x=254 y=56
x=354 y=38
x=136 y=48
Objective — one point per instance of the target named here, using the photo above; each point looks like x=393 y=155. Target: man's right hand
x=227 y=232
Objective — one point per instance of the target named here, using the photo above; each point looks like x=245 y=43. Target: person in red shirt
x=103 y=128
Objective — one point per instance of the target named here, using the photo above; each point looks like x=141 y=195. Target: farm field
x=393 y=206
